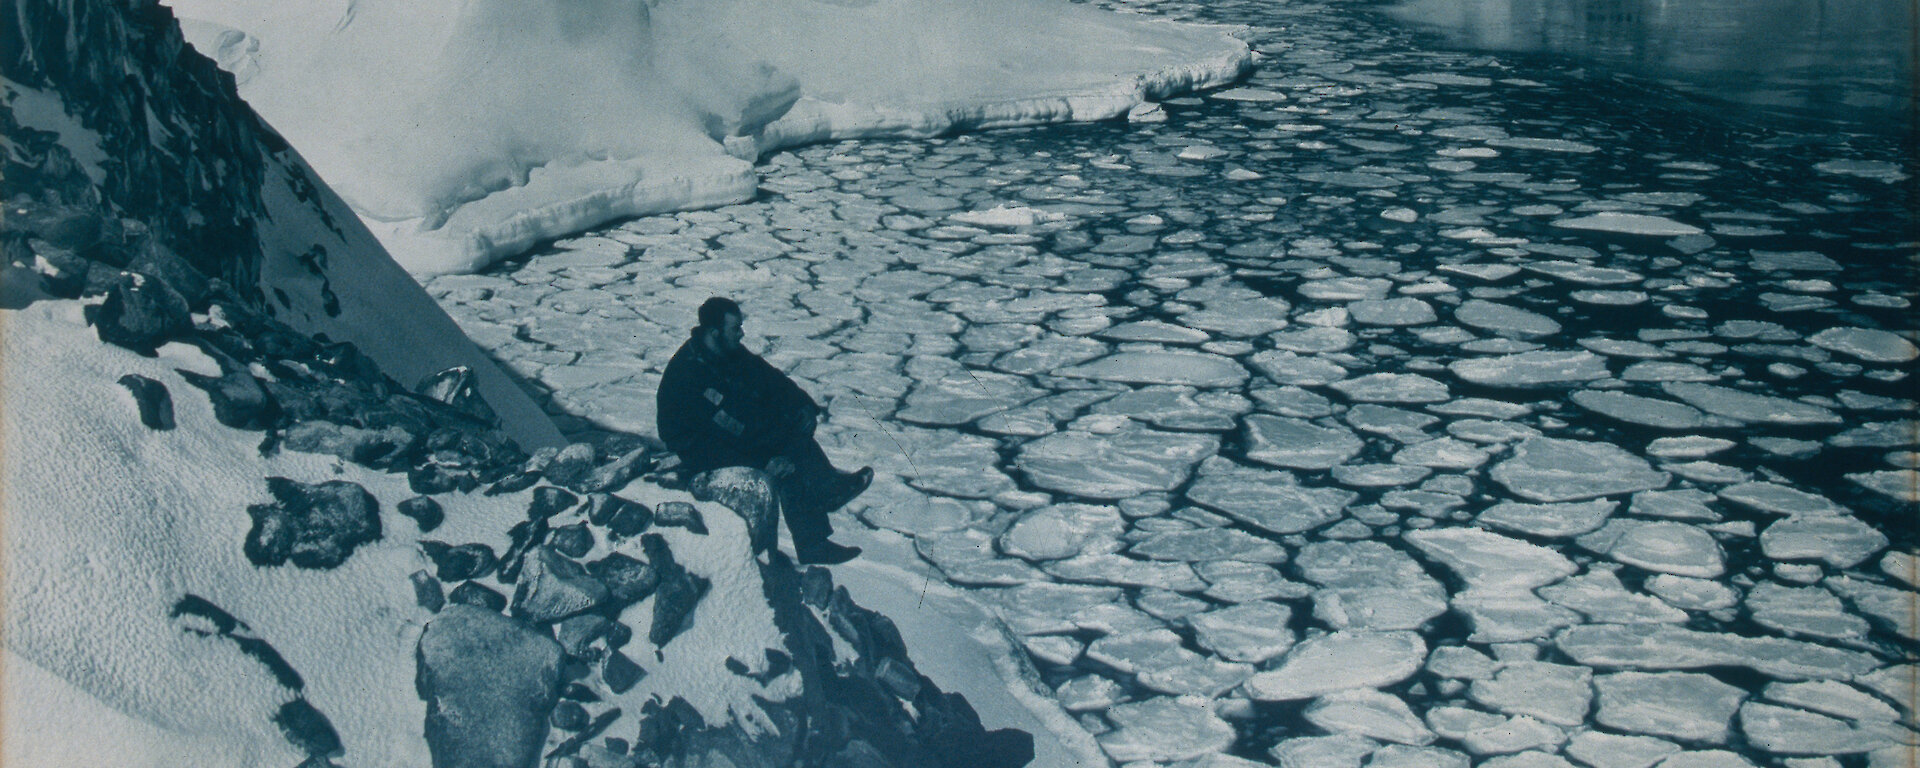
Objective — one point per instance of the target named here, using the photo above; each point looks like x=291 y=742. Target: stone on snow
x=314 y=525
x=489 y=682
x=552 y=587
x=150 y=397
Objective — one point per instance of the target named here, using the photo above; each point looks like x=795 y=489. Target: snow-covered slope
x=463 y=132
x=156 y=136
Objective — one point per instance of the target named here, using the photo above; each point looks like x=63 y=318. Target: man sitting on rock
x=722 y=406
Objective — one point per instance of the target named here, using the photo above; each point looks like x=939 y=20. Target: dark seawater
x=1443 y=167
x=1849 y=61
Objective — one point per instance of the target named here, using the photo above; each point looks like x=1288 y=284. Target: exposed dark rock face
x=155 y=403
x=204 y=211
x=312 y=526
x=140 y=313
x=490 y=683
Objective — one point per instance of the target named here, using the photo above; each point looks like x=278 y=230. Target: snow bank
x=109 y=524
x=463 y=132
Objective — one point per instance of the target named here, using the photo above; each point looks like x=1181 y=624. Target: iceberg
x=465 y=132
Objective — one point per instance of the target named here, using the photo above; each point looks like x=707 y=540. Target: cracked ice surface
x=1213 y=452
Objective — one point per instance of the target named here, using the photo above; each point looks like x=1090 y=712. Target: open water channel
x=1419 y=400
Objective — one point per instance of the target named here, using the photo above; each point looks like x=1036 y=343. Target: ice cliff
x=464 y=132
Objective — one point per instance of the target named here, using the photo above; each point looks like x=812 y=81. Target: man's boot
x=824 y=553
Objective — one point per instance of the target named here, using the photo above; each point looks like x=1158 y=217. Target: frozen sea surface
x=1397 y=407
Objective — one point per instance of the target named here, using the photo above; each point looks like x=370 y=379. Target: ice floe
x=1666 y=647
x=1683 y=705
x=1538 y=368
x=1167 y=367
x=1556 y=521
x=1266 y=499
x=1646 y=411
x=1629 y=223
x=1549 y=469
x=1599 y=595
x=1749 y=406
x=1555 y=693
x=1369 y=713
x=1299 y=444
x=1250 y=632
x=1127 y=463
x=1839 y=540
x=1062 y=531
x=1340 y=661
x=1661 y=546
x=1165 y=729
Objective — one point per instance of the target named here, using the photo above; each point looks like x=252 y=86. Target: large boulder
x=312 y=526
x=490 y=683
x=140 y=313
